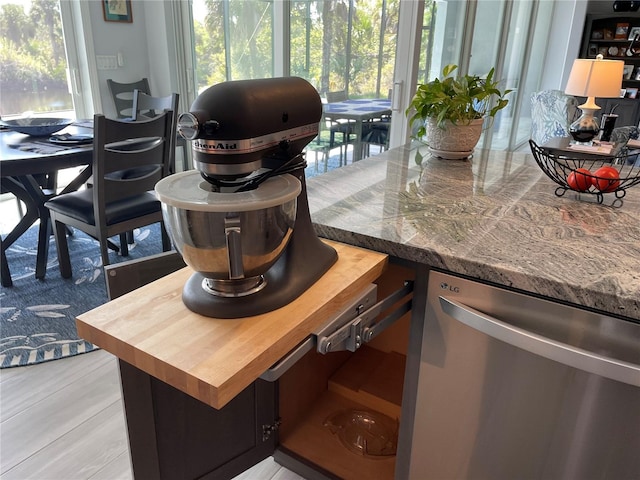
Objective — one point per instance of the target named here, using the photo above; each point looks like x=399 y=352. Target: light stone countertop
x=494 y=217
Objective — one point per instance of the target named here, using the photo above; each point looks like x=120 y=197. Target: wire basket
x=564 y=171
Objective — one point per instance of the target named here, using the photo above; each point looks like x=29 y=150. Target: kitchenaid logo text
x=215 y=145
x=257 y=144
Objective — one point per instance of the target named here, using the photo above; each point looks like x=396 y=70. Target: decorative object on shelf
x=592 y=78
x=626 y=5
x=634 y=33
x=117 y=11
x=622 y=31
x=627 y=72
x=632 y=92
x=444 y=107
x=588 y=175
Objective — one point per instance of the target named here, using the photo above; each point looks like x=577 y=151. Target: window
x=343 y=45
x=233 y=40
x=33 y=61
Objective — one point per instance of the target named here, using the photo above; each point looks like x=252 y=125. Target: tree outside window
x=33 y=64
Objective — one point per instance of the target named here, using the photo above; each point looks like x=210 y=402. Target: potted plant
x=452 y=110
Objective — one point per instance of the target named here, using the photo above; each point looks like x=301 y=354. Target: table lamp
x=592 y=78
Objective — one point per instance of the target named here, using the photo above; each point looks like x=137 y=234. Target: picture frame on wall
x=117 y=11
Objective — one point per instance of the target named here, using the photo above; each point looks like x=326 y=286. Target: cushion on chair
x=79 y=205
x=552 y=112
x=624 y=134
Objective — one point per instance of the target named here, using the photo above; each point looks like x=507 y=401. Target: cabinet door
x=174 y=436
x=626 y=109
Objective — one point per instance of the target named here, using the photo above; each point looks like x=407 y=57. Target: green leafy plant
x=458 y=99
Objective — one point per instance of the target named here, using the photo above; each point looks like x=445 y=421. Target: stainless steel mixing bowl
x=230 y=238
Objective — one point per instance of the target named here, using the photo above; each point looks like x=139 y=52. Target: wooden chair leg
x=104 y=252
x=5 y=273
x=166 y=240
x=124 y=244
x=62 y=247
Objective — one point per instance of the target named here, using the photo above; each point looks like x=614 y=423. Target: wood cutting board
x=215 y=359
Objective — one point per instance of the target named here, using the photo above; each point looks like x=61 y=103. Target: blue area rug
x=37 y=317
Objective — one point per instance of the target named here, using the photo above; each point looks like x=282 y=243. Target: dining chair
x=338 y=96
x=552 y=112
x=124 y=277
x=324 y=143
x=119 y=199
x=376 y=133
x=122 y=95
x=146 y=106
x=337 y=126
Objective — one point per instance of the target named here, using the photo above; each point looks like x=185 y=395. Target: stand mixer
x=241 y=218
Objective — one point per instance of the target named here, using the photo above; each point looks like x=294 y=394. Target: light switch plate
x=107 y=62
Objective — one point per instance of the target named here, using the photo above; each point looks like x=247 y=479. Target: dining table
x=357 y=111
x=22 y=157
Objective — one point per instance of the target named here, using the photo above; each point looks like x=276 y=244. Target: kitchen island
x=191 y=384
x=494 y=218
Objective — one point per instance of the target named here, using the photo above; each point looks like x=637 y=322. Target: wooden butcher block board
x=215 y=359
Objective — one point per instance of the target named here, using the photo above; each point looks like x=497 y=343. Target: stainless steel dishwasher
x=515 y=387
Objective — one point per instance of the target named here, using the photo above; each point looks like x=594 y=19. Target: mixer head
x=239 y=127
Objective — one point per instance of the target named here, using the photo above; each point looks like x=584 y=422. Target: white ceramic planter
x=454 y=141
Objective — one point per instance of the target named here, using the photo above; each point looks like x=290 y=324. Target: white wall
x=129 y=39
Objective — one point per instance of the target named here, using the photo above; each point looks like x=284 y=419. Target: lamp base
x=585 y=129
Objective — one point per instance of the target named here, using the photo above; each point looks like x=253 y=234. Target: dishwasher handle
x=585 y=360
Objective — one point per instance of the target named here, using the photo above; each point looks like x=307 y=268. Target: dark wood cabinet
x=175 y=436
x=612 y=35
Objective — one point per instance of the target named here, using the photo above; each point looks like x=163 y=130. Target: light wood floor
x=64 y=420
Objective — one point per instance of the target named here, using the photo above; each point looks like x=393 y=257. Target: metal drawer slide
x=349 y=329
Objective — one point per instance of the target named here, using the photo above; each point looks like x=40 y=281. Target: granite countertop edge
x=353 y=205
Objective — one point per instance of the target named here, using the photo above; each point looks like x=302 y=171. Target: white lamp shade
x=595 y=78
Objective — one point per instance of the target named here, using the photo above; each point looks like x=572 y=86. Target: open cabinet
x=194 y=389
x=318 y=387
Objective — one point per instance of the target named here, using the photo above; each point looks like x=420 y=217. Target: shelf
x=370 y=380
x=602 y=40
x=627 y=108
x=315 y=442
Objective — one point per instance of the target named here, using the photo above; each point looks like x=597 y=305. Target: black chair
x=145 y=106
x=122 y=95
x=125 y=277
x=119 y=200
x=376 y=133
x=343 y=128
x=325 y=142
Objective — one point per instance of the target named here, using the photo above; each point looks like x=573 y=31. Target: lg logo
x=451 y=288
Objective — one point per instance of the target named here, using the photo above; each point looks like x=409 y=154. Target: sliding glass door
x=362 y=47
